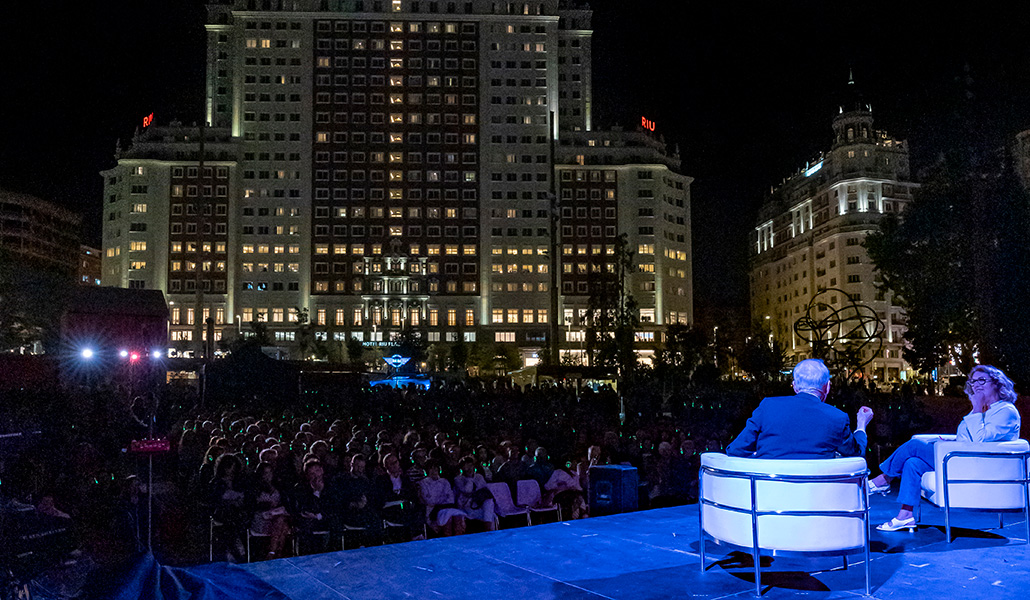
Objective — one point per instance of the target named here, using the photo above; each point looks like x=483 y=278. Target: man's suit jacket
x=800 y=426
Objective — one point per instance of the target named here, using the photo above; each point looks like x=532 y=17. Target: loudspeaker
x=613 y=489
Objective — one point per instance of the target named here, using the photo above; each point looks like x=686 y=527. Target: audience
x=442 y=514
x=473 y=498
x=299 y=478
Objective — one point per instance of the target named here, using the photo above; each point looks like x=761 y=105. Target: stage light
x=134 y=356
x=124 y=354
x=87 y=353
x=156 y=354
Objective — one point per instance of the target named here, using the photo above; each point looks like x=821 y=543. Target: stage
x=650 y=555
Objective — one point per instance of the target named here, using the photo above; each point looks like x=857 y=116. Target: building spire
x=851 y=97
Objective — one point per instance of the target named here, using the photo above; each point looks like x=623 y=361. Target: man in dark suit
x=802 y=426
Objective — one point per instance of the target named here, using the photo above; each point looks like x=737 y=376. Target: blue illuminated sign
x=396 y=361
x=813 y=169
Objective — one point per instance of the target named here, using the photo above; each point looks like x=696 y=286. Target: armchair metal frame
x=858 y=477
x=1023 y=456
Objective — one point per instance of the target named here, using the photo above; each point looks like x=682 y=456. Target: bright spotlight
x=124 y=354
x=134 y=356
x=156 y=354
x=87 y=353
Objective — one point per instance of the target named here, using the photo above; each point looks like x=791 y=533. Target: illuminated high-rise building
x=808 y=242
x=375 y=157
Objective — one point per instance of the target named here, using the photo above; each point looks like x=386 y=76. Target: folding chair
x=528 y=492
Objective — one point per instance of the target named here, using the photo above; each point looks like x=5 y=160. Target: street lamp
x=715 y=345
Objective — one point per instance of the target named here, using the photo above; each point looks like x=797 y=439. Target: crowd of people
x=357 y=465
x=361 y=465
x=327 y=482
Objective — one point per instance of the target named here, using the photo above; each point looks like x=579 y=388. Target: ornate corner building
x=812 y=282
x=395 y=165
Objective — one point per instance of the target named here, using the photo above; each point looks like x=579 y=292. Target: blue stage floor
x=654 y=555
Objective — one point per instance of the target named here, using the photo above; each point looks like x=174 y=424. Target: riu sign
x=646 y=123
x=147 y=120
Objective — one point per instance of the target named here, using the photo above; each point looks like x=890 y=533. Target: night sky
x=747 y=95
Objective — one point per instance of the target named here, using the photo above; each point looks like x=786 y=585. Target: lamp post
x=715 y=346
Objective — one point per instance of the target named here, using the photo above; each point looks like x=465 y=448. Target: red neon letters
x=647 y=123
x=147 y=120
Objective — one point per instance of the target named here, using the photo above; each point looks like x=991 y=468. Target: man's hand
x=865 y=414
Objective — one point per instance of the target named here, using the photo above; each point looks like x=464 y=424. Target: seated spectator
x=511 y=470
x=400 y=498
x=289 y=469
x=483 y=463
x=670 y=479
x=307 y=508
x=355 y=500
x=540 y=469
x=206 y=471
x=226 y=501
x=472 y=495
x=417 y=470
x=442 y=513
x=563 y=488
x=269 y=515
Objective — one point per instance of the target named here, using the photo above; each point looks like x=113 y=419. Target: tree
x=493 y=358
x=32 y=298
x=436 y=357
x=459 y=356
x=257 y=336
x=956 y=262
x=762 y=357
x=304 y=336
x=611 y=316
x=684 y=349
x=355 y=353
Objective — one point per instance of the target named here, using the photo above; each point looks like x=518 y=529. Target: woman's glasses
x=978 y=381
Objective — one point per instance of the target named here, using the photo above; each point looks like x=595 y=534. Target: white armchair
x=978 y=476
x=816 y=507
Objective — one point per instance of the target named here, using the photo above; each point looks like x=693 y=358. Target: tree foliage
x=611 y=316
x=762 y=357
x=683 y=352
x=32 y=298
x=956 y=261
x=355 y=353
